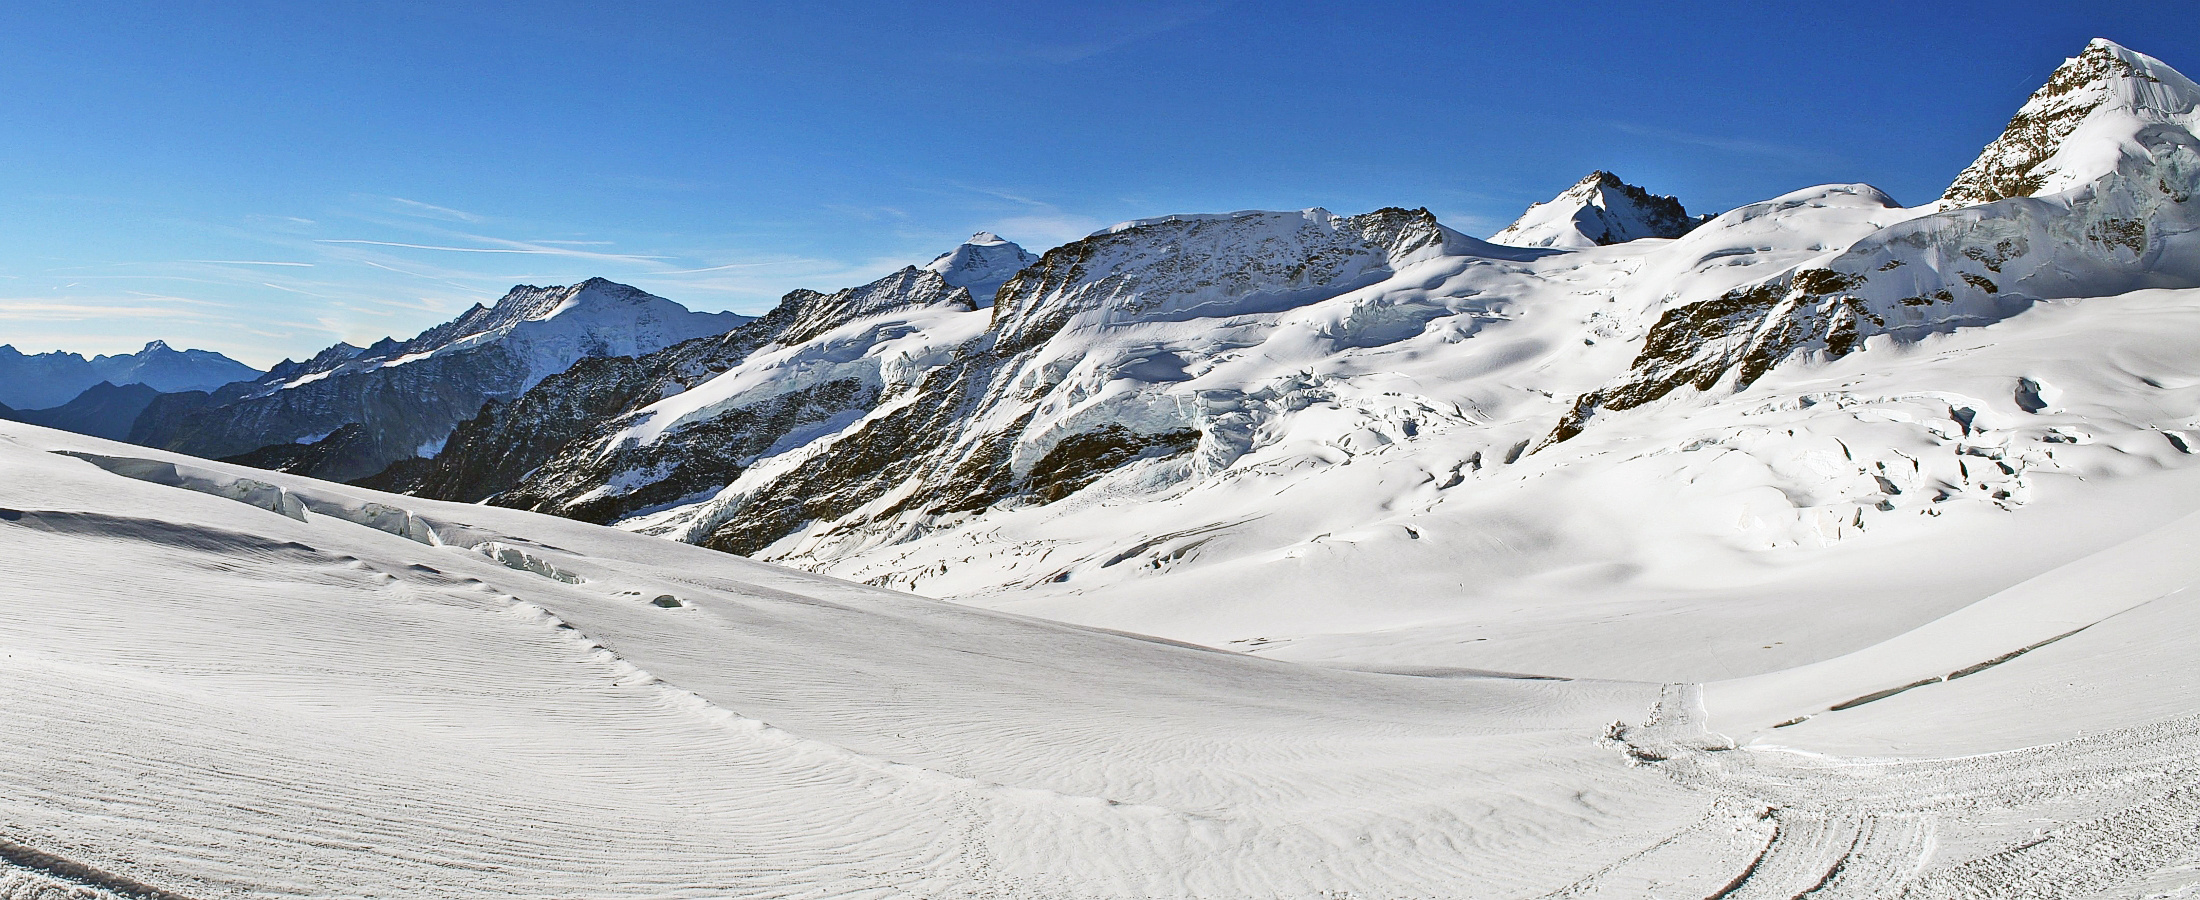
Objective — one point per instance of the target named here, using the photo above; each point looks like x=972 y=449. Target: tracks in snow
x=2095 y=814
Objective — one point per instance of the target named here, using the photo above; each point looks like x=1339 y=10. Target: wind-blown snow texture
x=1846 y=545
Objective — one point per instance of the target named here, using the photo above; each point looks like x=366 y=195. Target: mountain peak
x=1599 y=209
x=151 y=346
x=2051 y=143
x=981 y=265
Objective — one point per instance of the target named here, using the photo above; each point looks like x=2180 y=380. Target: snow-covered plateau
x=1825 y=547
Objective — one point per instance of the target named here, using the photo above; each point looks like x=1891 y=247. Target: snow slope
x=276 y=686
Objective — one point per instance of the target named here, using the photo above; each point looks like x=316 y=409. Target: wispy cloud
x=1039 y=224
x=26 y=310
x=1040 y=231
x=293 y=290
x=430 y=210
x=1144 y=23
x=1740 y=146
x=248 y=262
x=428 y=246
x=518 y=247
x=755 y=265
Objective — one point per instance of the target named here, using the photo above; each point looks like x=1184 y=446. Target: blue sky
x=266 y=178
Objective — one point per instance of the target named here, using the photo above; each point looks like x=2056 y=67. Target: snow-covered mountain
x=1219 y=427
x=2101 y=109
x=401 y=398
x=981 y=265
x=45 y=380
x=1597 y=211
x=548 y=434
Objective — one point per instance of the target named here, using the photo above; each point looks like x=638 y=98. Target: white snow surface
x=223 y=682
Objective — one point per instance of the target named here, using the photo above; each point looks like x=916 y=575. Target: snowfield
x=223 y=682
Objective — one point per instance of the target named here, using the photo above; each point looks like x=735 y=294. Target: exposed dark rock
x=1080 y=459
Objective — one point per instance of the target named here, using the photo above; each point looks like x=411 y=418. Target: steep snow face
x=981 y=265
x=612 y=437
x=2092 y=116
x=1100 y=356
x=1597 y=211
x=48 y=380
x=1186 y=267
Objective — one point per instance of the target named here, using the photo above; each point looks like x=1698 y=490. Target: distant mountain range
x=401 y=398
x=39 y=381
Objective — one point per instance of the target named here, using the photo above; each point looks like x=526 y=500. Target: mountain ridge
x=408 y=394
x=47 y=380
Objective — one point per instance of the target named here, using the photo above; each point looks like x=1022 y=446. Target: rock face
x=1598 y=211
x=48 y=380
x=406 y=396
